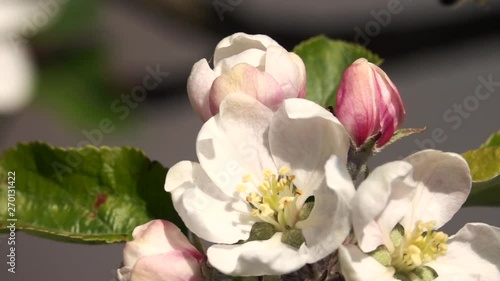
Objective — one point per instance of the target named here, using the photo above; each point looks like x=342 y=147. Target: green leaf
x=493 y=140
x=326 y=60
x=86 y=194
x=400 y=134
x=484 y=164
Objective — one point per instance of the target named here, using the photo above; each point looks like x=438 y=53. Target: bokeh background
x=90 y=52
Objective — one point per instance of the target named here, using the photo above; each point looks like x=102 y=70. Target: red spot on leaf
x=101 y=199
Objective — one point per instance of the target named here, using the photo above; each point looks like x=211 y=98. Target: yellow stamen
x=241 y=188
x=423 y=245
x=254 y=199
x=247 y=178
x=283 y=171
x=265 y=210
x=267 y=173
x=275 y=199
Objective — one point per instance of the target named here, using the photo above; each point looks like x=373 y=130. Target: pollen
x=274 y=200
x=254 y=199
x=246 y=178
x=241 y=188
x=267 y=173
x=266 y=210
x=421 y=246
x=283 y=171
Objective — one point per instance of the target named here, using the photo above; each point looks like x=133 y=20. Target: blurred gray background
x=435 y=55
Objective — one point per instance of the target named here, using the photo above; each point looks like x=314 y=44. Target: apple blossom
x=396 y=214
x=254 y=65
x=160 y=252
x=16 y=77
x=15 y=16
x=16 y=66
x=368 y=103
x=284 y=170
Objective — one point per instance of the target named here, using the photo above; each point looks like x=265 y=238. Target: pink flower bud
x=160 y=252
x=250 y=64
x=368 y=103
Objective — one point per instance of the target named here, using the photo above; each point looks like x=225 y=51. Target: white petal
x=474 y=251
x=302 y=74
x=253 y=57
x=206 y=211
x=303 y=136
x=381 y=201
x=444 y=182
x=198 y=86
x=256 y=258
x=329 y=222
x=235 y=142
x=282 y=67
x=16 y=76
x=239 y=42
x=339 y=179
x=14 y=16
x=358 y=266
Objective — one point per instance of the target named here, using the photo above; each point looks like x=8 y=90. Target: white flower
x=14 y=14
x=160 y=252
x=261 y=166
x=254 y=65
x=16 y=66
x=396 y=214
x=16 y=77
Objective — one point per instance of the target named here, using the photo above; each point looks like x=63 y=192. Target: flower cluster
x=272 y=193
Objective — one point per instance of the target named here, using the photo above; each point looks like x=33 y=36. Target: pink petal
x=357 y=107
x=245 y=79
x=392 y=111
